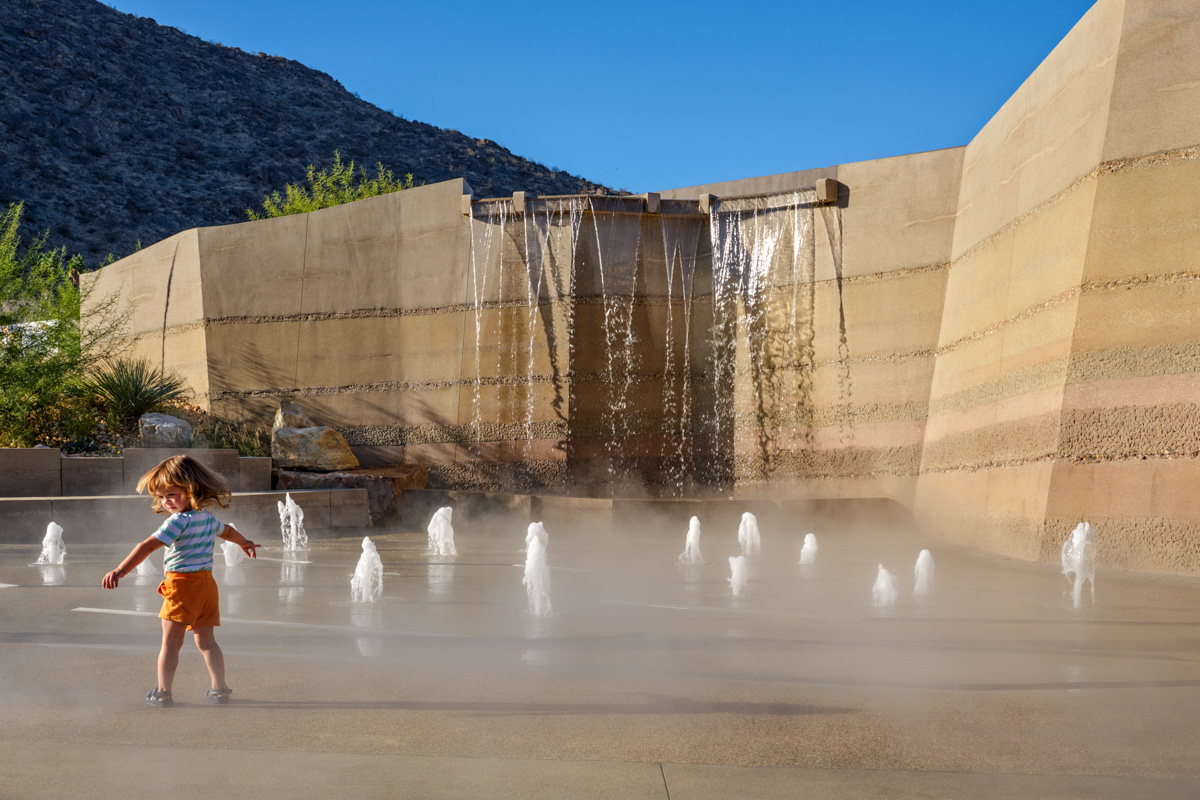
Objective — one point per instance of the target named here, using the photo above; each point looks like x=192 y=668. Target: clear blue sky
x=658 y=95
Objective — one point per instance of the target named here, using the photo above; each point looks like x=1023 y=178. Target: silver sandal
x=218 y=695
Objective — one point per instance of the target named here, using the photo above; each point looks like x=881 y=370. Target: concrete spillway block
x=136 y=461
x=518 y=201
x=254 y=474
x=466 y=204
x=653 y=202
x=706 y=203
x=827 y=190
x=87 y=477
x=30 y=472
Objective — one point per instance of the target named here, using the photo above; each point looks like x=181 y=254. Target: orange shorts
x=190 y=597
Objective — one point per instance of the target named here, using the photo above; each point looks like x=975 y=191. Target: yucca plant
x=129 y=388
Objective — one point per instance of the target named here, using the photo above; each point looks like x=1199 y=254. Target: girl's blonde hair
x=202 y=485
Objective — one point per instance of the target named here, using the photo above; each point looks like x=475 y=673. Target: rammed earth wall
x=1004 y=334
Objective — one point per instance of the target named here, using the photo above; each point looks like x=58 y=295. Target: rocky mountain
x=115 y=129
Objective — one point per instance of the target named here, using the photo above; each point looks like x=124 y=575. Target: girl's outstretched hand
x=249 y=548
x=111 y=579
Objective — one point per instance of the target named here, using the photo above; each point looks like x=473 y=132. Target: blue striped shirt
x=190 y=537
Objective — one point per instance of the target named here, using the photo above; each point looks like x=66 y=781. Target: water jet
x=53 y=549
x=738 y=578
x=808 y=553
x=691 y=551
x=1079 y=561
x=537 y=571
x=885 y=591
x=367 y=584
x=923 y=573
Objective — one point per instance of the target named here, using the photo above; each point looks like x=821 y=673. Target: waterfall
x=680 y=242
x=763 y=313
x=603 y=356
x=521 y=280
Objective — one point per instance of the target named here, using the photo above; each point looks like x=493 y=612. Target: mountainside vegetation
x=116 y=130
x=330 y=187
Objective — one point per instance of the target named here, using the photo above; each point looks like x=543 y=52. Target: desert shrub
x=225 y=435
x=44 y=353
x=236 y=432
x=128 y=388
x=339 y=184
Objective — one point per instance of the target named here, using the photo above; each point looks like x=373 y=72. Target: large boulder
x=316 y=448
x=163 y=430
x=290 y=415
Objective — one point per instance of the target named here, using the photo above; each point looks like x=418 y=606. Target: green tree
x=339 y=184
x=44 y=352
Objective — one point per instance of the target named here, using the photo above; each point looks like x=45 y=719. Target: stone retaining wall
x=45 y=472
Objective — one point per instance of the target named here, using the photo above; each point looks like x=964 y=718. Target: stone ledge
x=384 y=485
x=130 y=518
x=502 y=511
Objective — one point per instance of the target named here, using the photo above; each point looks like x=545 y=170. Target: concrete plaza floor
x=650 y=680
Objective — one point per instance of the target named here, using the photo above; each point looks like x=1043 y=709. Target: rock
x=290 y=415
x=163 y=430
x=317 y=448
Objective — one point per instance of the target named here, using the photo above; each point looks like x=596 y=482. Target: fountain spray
x=885 y=590
x=808 y=553
x=291 y=524
x=441 y=533
x=367 y=584
x=691 y=552
x=923 y=572
x=737 y=579
x=1079 y=560
x=537 y=571
x=748 y=536
x=53 y=549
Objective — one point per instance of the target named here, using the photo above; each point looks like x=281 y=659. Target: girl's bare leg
x=214 y=659
x=168 y=655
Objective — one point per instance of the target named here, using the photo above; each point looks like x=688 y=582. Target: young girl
x=182 y=487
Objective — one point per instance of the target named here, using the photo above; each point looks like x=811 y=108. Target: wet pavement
x=649 y=680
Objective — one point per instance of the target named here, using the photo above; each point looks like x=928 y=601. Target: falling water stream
x=763 y=313
x=599 y=299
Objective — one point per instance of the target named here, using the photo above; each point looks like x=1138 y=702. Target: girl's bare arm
x=230 y=534
x=135 y=557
